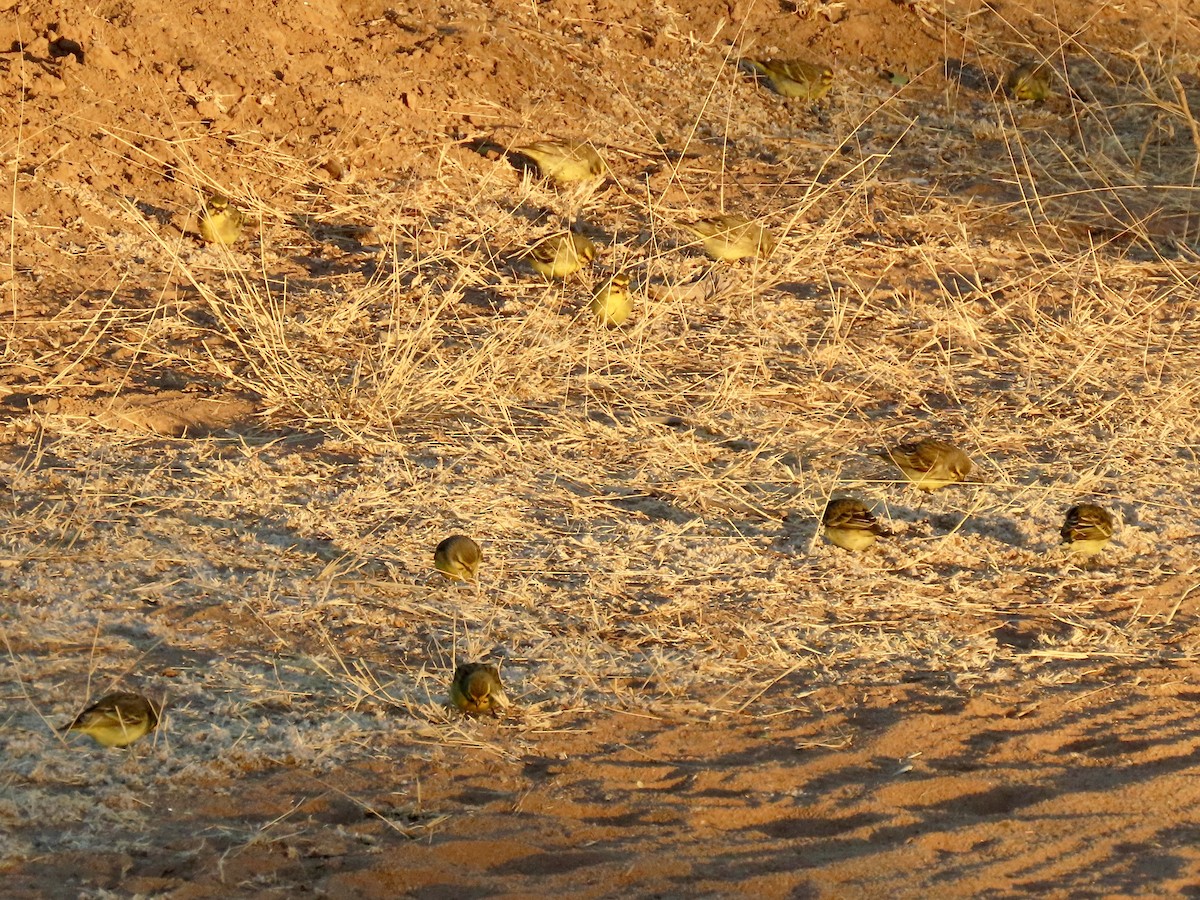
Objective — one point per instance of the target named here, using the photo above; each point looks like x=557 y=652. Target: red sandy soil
x=903 y=791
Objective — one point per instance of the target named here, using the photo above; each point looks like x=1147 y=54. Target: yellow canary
x=729 y=237
x=220 y=221
x=457 y=557
x=476 y=689
x=930 y=464
x=564 y=161
x=611 y=301
x=117 y=720
x=1029 y=81
x=1087 y=528
x=561 y=255
x=850 y=525
x=792 y=78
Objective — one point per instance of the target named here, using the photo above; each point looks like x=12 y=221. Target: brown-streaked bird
x=1029 y=81
x=117 y=719
x=728 y=237
x=476 y=689
x=564 y=161
x=611 y=301
x=850 y=525
x=561 y=255
x=220 y=221
x=457 y=557
x=792 y=78
x=929 y=464
x=1087 y=529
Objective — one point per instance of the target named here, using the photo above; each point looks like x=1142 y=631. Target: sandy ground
x=224 y=471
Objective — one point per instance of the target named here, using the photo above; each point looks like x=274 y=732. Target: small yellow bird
x=1029 y=81
x=611 y=302
x=1087 y=528
x=850 y=525
x=476 y=689
x=561 y=255
x=792 y=78
x=564 y=161
x=457 y=557
x=728 y=237
x=117 y=720
x=220 y=221
x=930 y=464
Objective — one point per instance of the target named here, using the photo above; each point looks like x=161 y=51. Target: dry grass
x=994 y=274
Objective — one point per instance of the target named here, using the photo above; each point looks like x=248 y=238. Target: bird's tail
x=751 y=66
